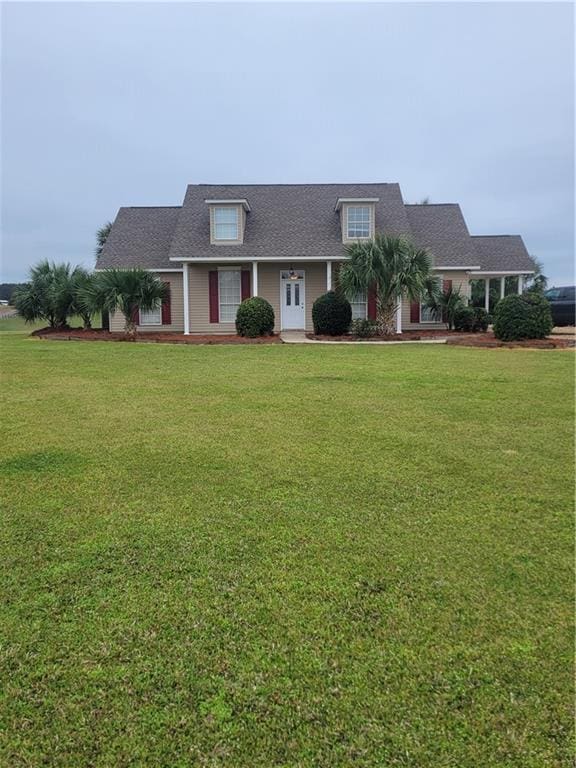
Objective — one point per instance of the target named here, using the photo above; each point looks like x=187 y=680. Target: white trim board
x=458 y=269
x=148 y=269
x=487 y=272
x=247 y=259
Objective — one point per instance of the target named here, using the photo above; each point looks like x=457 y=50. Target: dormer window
x=357 y=217
x=226 y=222
x=358 y=223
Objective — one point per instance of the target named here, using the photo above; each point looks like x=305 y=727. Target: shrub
x=445 y=304
x=364 y=328
x=464 y=319
x=522 y=317
x=255 y=317
x=471 y=319
x=331 y=314
x=482 y=319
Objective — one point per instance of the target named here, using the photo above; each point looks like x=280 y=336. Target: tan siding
x=315 y=286
x=459 y=282
x=268 y=288
x=200 y=301
x=176 y=302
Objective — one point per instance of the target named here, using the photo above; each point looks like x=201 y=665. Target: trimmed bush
x=364 y=329
x=471 y=319
x=331 y=314
x=464 y=319
x=255 y=317
x=522 y=317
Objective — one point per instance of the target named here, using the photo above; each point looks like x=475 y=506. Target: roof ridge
x=305 y=184
x=495 y=235
x=429 y=205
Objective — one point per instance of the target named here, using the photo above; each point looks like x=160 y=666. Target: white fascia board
x=148 y=269
x=504 y=272
x=241 y=201
x=458 y=269
x=247 y=258
x=342 y=200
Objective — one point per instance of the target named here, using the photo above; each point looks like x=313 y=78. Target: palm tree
x=393 y=267
x=101 y=237
x=126 y=290
x=48 y=296
x=81 y=281
x=445 y=304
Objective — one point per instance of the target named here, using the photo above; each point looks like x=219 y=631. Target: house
x=284 y=242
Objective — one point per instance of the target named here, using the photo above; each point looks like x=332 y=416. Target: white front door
x=292 y=299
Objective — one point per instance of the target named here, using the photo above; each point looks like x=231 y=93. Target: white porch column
x=255 y=278
x=328 y=275
x=502 y=287
x=186 y=299
x=520 y=284
x=399 y=315
x=487 y=294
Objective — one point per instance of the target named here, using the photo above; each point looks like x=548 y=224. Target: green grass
x=18 y=325
x=285 y=556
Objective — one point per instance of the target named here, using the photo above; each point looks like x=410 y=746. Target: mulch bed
x=489 y=340
x=96 y=334
x=452 y=337
x=406 y=336
x=459 y=338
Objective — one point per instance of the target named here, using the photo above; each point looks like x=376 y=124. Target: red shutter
x=372 y=303
x=415 y=312
x=136 y=315
x=245 y=285
x=166 y=306
x=446 y=286
x=213 y=296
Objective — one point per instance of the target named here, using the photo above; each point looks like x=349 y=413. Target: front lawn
x=296 y=556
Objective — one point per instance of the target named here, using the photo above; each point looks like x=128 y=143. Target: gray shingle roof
x=289 y=220
x=285 y=219
x=140 y=237
x=502 y=252
x=442 y=229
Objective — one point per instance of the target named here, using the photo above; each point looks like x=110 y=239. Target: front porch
x=292 y=287
x=212 y=293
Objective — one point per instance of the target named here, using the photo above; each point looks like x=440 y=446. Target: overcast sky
x=124 y=104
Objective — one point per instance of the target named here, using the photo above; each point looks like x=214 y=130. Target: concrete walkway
x=299 y=337
x=564 y=330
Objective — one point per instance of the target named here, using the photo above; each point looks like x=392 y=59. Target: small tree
x=392 y=266
x=48 y=296
x=81 y=281
x=125 y=290
x=445 y=304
